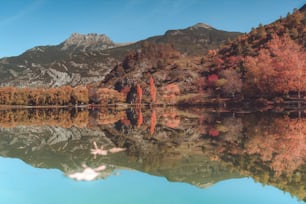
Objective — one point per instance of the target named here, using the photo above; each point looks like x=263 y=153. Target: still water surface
x=21 y=183
x=153 y=156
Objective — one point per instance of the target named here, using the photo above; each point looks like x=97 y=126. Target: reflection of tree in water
x=186 y=145
x=234 y=129
x=65 y=118
x=268 y=147
x=282 y=144
x=272 y=151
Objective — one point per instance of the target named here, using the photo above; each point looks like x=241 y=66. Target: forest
x=270 y=61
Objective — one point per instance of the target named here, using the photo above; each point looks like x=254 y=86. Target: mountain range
x=186 y=66
x=84 y=59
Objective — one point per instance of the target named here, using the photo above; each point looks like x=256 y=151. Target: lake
x=162 y=155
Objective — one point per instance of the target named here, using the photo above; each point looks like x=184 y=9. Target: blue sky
x=28 y=23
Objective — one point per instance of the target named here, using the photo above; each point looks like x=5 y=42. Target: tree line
x=60 y=96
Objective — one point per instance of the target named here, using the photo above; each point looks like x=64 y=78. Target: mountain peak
x=88 y=40
x=88 y=37
x=201 y=25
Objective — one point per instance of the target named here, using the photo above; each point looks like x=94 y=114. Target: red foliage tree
x=279 y=68
x=212 y=79
x=213 y=132
x=290 y=63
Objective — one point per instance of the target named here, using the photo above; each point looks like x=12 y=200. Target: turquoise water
x=24 y=184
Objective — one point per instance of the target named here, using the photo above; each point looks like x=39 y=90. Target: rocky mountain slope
x=42 y=67
x=84 y=59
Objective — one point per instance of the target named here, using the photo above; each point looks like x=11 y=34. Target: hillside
x=196 y=39
x=269 y=62
x=84 y=59
x=42 y=67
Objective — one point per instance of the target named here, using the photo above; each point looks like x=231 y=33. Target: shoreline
x=225 y=104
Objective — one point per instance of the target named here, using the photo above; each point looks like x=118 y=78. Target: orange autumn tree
x=80 y=95
x=290 y=62
x=280 y=68
x=7 y=95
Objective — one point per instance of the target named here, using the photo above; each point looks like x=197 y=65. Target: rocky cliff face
x=83 y=59
x=87 y=42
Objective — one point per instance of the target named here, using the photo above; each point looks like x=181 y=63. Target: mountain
x=195 y=40
x=74 y=44
x=41 y=65
x=77 y=42
x=84 y=59
x=259 y=64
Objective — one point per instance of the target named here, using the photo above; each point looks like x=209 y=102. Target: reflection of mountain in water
x=188 y=146
x=68 y=147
